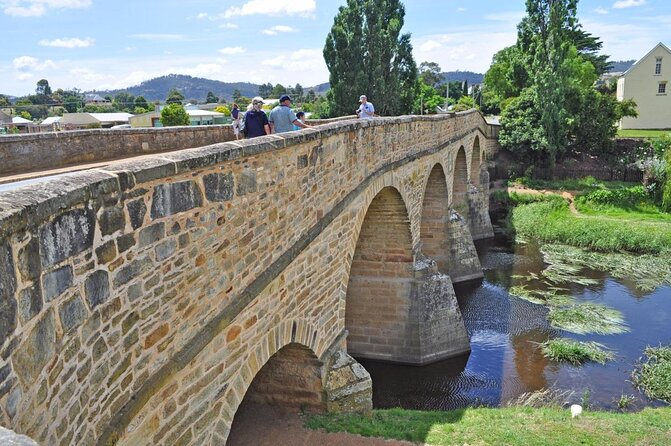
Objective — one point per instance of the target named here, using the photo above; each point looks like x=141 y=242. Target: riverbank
x=506 y=426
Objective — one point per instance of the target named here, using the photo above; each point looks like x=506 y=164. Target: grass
x=575 y=352
x=514 y=426
x=653 y=375
x=551 y=221
x=641 y=133
x=583 y=318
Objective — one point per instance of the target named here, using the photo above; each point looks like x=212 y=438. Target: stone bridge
x=140 y=303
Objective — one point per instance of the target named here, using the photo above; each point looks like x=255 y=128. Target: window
x=661 y=89
x=658 y=65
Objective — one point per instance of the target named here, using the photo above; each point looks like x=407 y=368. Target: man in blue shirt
x=256 y=121
x=366 y=109
x=282 y=118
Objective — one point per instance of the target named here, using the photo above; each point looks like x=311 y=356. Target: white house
x=646 y=82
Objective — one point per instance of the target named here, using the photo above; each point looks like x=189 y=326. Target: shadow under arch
x=289 y=382
x=380 y=282
x=460 y=183
x=435 y=219
x=476 y=162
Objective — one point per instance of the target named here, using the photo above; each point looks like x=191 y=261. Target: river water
x=505 y=359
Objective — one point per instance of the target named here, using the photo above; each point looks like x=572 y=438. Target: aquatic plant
x=550 y=297
x=625 y=401
x=575 y=352
x=653 y=374
x=647 y=272
x=542 y=398
x=585 y=318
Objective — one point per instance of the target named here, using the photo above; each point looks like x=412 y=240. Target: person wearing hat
x=256 y=121
x=283 y=119
x=366 y=109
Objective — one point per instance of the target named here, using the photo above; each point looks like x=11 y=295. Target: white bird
x=576 y=409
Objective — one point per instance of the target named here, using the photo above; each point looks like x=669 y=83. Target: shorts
x=236 y=127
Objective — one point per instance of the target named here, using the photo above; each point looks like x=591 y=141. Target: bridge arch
x=435 y=218
x=476 y=162
x=460 y=182
x=380 y=280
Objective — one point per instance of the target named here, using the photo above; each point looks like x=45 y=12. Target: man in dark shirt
x=256 y=121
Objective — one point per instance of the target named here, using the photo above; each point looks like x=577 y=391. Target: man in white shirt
x=366 y=109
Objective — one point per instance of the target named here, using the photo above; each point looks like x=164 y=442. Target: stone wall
x=53 y=150
x=139 y=301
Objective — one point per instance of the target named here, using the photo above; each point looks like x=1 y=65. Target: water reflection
x=505 y=359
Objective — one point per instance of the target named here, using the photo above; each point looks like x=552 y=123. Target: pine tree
x=366 y=54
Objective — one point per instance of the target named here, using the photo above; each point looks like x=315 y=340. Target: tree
x=507 y=75
x=174 y=114
x=141 y=102
x=72 y=100
x=366 y=54
x=4 y=100
x=223 y=109
x=174 y=97
x=211 y=98
x=278 y=90
x=43 y=88
x=237 y=95
x=265 y=90
x=431 y=74
x=124 y=101
x=427 y=100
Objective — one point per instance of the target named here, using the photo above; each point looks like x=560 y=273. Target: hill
x=620 y=66
x=191 y=87
x=471 y=77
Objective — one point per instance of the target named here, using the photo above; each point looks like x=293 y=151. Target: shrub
x=628 y=197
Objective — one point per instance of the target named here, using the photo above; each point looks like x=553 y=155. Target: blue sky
x=104 y=44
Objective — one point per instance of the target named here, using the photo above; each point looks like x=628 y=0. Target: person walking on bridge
x=283 y=119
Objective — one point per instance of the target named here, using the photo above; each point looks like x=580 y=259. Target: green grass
x=575 y=352
x=586 y=318
x=641 y=133
x=653 y=375
x=515 y=426
x=551 y=221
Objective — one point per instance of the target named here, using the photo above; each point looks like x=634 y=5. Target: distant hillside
x=471 y=77
x=620 y=66
x=191 y=87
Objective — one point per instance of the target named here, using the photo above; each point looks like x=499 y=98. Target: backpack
x=243 y=125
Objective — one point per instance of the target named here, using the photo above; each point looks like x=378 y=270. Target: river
x=505 y=332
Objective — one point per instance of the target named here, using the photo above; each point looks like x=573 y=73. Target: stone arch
x=460 y=183
x=476 y=162
x=380 y=280
x=435 y=218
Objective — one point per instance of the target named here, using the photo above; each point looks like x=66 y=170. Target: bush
x=666 y=194
x=628 y=197
x=174 y=114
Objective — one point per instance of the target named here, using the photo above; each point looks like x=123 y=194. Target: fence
x=505 y=172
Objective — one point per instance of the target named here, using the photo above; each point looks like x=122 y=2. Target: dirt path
x=262 y=425
x=567 y=195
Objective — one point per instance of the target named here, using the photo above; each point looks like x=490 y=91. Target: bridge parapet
x=138 y=301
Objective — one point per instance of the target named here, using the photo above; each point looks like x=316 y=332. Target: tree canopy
x=545 y=87
x=366 y=53
x=174 y=114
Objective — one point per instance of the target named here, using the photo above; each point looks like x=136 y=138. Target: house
x=5 y=121
x=23 y=125
x=196 y=116
x=71 y=121
x=50 y=124
x=94 y=98
x=646 y=82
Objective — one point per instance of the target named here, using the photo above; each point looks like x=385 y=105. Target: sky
x=106 y=44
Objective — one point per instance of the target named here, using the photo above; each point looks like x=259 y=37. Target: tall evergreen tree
x=366 y=53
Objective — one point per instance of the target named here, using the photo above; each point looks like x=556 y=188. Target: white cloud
x=602 y=11
x=279 y=29
x=429 y=45
x=461 y=9
x=628 y=4
x=36 y=8
x=157 y=36
x=230 y=50
x=228 y=26
x=72 y=42
x=510 y=16
x=26 y=63
x=303 y=8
